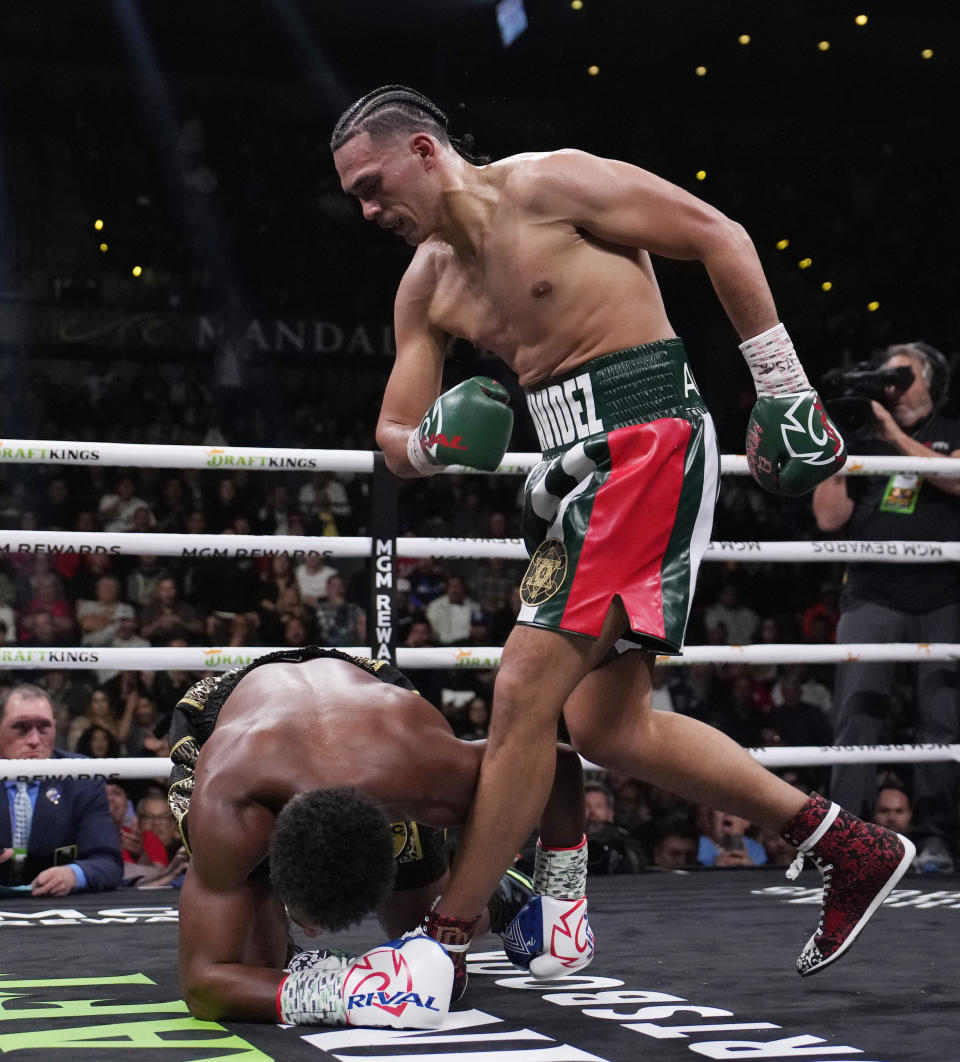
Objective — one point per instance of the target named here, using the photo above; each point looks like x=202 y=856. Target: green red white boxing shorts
x=621 y=503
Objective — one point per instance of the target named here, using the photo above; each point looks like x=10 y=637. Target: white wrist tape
x=312 y=997
x=417 y=456
x=774 y=363
x=561 y=872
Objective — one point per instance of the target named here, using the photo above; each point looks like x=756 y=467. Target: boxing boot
x=860 y=863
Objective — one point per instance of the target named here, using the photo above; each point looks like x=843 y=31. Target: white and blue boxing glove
x=403 y=984
x=551 y=936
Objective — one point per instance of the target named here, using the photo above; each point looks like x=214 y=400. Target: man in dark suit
x=55 y=834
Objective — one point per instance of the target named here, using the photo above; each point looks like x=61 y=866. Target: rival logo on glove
x=441 y=440
x=372 y=982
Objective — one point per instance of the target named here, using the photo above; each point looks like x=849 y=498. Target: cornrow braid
x=386 y=109
x=399 y=109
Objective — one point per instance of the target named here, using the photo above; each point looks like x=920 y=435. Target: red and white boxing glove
x=403 y=984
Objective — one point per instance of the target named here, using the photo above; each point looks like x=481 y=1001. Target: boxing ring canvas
x=689 y=965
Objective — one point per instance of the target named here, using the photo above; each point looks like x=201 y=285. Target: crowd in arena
x=102 y=599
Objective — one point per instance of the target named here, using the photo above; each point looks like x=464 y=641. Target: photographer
x=900 y=603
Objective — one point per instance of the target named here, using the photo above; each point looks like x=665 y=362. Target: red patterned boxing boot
x=860 y=863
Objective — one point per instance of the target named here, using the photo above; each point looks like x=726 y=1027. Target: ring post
x=384 y=498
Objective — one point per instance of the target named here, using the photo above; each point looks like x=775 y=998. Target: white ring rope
x=130 y=543
x=476 y=657
x=47 y=452
x=778 y=756
x=280 y=459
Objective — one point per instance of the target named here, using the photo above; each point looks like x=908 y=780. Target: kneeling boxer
x=314 y=787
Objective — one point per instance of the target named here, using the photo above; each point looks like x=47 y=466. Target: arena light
x=98 y=224
x=861 y=20
x=744 y=38
x=873 y=306
x=826 y=286
x=782 y=245
x=700 y=71
x=576 y=4
x=593 y=70
x=512 y=20
x=701 y=175
x=805 y=263
x=824 y=46
x=104 y=247
x=136 y=271
x=927 y=53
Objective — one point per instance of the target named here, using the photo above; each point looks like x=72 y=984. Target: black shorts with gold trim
x=420 y=851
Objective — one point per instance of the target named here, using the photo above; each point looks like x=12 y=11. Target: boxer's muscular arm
x=832 y=505
x=631 y=207
x=221 y=918
x=417 y=373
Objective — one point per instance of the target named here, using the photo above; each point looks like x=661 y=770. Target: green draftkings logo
x=53 y=1018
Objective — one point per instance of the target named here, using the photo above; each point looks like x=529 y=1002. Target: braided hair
x=398 y=109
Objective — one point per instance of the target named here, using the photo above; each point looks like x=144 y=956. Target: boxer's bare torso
x=538 y=289
x=543 y=259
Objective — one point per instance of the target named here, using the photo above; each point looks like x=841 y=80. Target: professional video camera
x=847 y=394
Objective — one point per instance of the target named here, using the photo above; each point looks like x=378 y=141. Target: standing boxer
x=544 y=259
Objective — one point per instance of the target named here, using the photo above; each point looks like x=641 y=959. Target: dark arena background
x=178 y=265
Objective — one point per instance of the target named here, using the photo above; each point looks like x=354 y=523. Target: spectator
x=477 y=720
x=675 y=846
x=724 y=842
x=92 y=567
x=119 y=635
x=154 y=817
x=312 y=575
x=77 y=821
x=892 y=808
x=116 y=510
x=173 y=510
x=337 y=618
x=142 y=739
x=797 y=721
x=819 y=620
x=449 y=614
x=47 y=597
x=98 y=743
x=168 y=617
x=100 y=618
x=99 y=711
x=140 y=857
x=324 y=502
x=739 y=620
x=738 y=717
x=42 y=632
x=273 y=517
x=143 y=578
x=610 y=848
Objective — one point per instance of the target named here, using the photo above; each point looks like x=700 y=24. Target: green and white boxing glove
x=468 y=425
x=792 y=445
